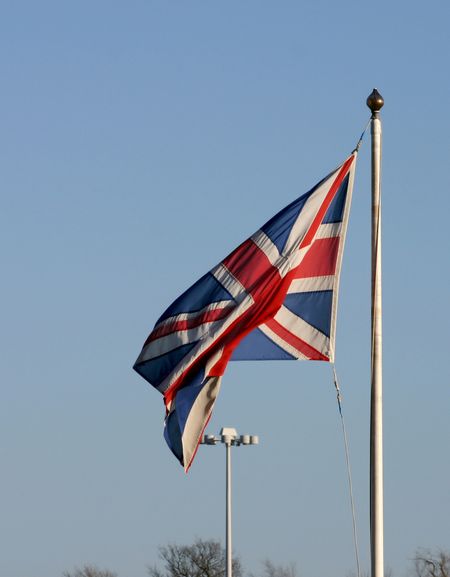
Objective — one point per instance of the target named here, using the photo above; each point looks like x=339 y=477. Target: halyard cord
x=344 y=430
x=362 y=136
x=349 y=473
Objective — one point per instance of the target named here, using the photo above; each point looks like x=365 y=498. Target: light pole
x=229 y=438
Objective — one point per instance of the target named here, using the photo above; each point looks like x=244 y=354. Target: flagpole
x=375 y=103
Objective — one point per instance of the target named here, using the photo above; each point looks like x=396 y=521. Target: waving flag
x=273 y=297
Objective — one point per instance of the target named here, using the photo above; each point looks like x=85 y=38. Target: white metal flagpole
x=375 y=102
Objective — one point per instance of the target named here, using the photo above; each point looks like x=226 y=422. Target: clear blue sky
x=140 y=142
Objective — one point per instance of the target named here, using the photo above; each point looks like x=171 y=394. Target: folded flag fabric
x=273 y=298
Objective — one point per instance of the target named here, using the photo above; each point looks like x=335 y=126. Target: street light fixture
x=229 y=437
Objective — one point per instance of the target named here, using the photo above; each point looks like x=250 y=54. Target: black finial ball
x=375 y=101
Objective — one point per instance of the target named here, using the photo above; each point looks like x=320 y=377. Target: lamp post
x=229 y=437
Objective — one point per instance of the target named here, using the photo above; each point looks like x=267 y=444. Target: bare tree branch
x=272 y=570
x=204 y=558
x=432 y=564
x=89 y=571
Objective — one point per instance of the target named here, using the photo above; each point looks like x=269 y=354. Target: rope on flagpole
x=358 y=144
x=349 y=472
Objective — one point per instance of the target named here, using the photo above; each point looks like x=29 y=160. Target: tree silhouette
x=201 y=559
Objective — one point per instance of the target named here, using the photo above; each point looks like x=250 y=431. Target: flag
x=273 y=297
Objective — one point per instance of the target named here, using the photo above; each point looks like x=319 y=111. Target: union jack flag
x=273 y=297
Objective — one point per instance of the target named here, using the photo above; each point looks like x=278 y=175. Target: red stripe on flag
x=269 y=301
x=320 y=260
x=328 y=200
x=303 y=347
x=184 y=325
x=251 y=267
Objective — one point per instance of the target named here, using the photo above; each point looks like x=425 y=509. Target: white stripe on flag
x=230 y=282
x=214 y=332
x=329 y=230
x=174 y=340
x=273 y=336
x=265 y=244
x=308 y=213
x=303 y=330
x=191 y=316
x=198 y=417
x=312 y=284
